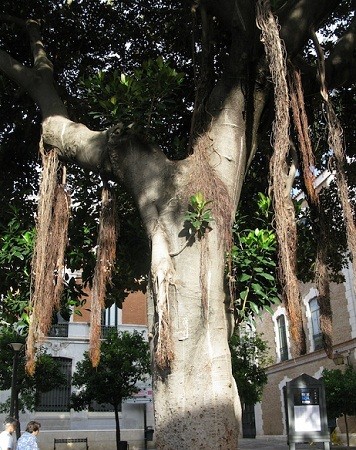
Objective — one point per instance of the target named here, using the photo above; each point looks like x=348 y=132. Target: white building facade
x=68 y=341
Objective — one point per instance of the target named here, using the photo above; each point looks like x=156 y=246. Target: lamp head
x=16 y=346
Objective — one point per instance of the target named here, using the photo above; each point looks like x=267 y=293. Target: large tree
x=191 y=315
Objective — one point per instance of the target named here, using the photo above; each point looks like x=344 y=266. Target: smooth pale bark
x=196 y=401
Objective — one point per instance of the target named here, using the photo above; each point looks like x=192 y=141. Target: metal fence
x=58 y=330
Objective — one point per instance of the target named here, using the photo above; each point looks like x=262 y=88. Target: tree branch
x=15 y=70
x=40 y=60
x=297 y=19
x=340 y=66
x=37 y=81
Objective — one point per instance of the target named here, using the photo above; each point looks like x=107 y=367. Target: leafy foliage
x=47 y=376
x=249 y=361
x=199 y=217
x=147 y=100
x=16 y=245
x=124 y=361
x=340 y=391
x=253 y=261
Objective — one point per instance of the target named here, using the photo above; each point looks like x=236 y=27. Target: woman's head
x=33 y=427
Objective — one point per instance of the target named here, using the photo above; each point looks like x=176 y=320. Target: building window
x=282 y=335
x=315 y=321
x=111 y=317
x=58 y=399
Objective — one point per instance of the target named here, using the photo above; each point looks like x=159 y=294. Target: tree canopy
x=47 y=377
x=255 y=74
x=249 y=362
x=340 y=389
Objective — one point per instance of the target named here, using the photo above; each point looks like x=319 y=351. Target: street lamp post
x=14 y=402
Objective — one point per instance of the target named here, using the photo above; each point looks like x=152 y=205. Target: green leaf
x=254 y=307
x=267 y=276
x=244 y=277
x=268 y=309
x=243 y=294
x=258 y=289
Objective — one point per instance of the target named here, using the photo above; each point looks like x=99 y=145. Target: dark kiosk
x=306 y=411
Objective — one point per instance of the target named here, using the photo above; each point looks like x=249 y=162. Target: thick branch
x=38 y=81
x=40 y=60
x=75 y=142
x=14 y=70
x=296 y=21
x=341 y=64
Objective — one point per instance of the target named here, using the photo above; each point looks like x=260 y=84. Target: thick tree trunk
x=196 y=401
x=195 y=395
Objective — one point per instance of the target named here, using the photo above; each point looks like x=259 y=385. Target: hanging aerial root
x=105 y=260
x=301 y=125
x=205 y=180
x=322 y=278
x=163 y=289
x=336 y=145
x=95 y=328
x=283 y=205
x=164 y=352
x=323 y=286
x=48 y=256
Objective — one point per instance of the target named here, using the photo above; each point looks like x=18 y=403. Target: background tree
x=340 y=392
x=124 y=361
x=227 y=87
x=47 y=377
x=249 y=361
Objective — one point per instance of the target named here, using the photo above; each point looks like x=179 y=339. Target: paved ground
x=266 y=443
x=279 y=444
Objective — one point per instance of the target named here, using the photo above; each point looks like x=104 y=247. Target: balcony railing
x=58 y=330
x=105 y=330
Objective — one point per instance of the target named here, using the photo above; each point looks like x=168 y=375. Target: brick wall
x=134 y=309
x=313 y=363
